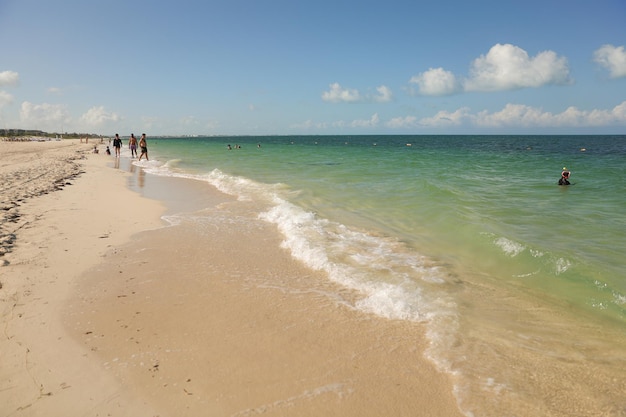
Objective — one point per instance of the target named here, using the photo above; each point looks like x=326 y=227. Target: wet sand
x=107 y=312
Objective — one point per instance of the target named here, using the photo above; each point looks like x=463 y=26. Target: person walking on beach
x=132 y=144
x=144 y=146
x=117 y=144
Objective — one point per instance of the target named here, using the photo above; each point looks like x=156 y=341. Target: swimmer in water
x=564 y=180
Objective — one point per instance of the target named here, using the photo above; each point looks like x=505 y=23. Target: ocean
x=520 y=283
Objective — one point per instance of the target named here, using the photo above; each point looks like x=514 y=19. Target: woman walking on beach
x=117 y=144
x=144 y=146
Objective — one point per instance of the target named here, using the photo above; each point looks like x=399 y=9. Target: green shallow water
x=455 y=196
x=468 y=233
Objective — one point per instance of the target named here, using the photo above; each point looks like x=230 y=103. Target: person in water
x=564 y=180
x=117 y=144
x=144 y=147
x=132 y=144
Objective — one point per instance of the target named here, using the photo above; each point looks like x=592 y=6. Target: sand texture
x=108 y=312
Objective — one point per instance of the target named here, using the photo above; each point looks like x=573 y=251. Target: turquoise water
x=468 y=234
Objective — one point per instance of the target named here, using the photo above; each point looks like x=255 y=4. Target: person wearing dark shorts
x=132 y=144
x=144 y=147
x=117 y=145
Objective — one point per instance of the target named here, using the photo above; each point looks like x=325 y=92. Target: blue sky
x=239 y=67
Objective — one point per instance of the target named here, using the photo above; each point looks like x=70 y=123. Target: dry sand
x=48 y=242
x=99 y=319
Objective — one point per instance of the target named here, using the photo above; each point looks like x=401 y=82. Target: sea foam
x=392 y=280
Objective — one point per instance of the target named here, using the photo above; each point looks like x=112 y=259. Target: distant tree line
x=38 y=133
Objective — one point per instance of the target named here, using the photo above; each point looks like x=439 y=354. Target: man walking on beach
x=117 y=144
x=132 y=144
x=144 y=146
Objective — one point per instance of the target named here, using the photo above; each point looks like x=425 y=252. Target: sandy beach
x=109 y=311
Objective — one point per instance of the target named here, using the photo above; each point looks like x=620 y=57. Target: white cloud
x=97 y=116
x=371 y=122
x=514 y=115
x=445 y=118
x=436 y=82
x=402 y=122
x=5 y=99
x=508 y=67
x=504 y=67
x=307 y=124
x=54 y=90
x=521 y=116
x=511 y=116
x=384 y=94
x=612 y=58
x=9 y=78
x=43 y=116
x=339 y=94
x=526 y=116
x=596 y=118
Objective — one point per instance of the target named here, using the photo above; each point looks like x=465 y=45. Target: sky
x=322 y=67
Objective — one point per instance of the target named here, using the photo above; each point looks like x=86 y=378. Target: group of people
x=132 y=145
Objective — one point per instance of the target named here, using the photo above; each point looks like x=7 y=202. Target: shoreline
x=56 y=237
x=185 y=321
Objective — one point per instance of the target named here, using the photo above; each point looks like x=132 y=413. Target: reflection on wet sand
x=141 y=177
x=138 y=175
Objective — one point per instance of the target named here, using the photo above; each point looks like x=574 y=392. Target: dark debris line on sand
x=22 y=183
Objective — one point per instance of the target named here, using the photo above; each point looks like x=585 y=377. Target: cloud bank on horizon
x=504 y=67
x=503 y=89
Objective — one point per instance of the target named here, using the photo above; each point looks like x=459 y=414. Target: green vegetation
x=38 y=133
